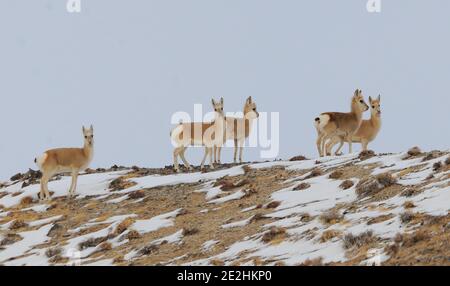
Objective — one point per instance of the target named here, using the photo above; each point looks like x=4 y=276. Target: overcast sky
x=127 y=66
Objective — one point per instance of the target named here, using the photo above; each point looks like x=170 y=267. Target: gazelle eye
x=362 y=101
x=373 y=106
x=85 y=137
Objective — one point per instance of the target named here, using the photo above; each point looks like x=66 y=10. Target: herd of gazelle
x=332 y=128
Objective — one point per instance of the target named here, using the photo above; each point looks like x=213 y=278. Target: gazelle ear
x=83 y=129
x=221 y=100
x=379 y=97
x=92 y=128
x=370 y=99
x=213 y=102
x=249 y=99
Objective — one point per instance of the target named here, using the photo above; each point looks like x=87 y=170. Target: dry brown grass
x=273 y=205
x=409 y=205
x=298 y=158
x=124 y=225
x=329 y=235
x=52 y=252
x=347 y=184
x=358 y=241
x=187 y=231
x=25 y=201
x=121 y=184
x=312 y=262
x=139 y=194
x=314 y=173
x=406 y=217
x=336 y=175
x=10 y=238
x=302 y=186
x=414 y=151
x=133 y=234
x=331 y=217
x=364 y=155
x=274 y=233
x=18 y=224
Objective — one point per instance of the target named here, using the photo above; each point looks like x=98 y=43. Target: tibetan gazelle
x=208 y=134
x=368 y=130
x=331 y=124
x=238 y=129
x=65 y=160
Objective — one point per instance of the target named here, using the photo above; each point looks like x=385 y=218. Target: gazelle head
x=375 y=105
x=88 y=136
x=218 y=107
x=358 y=101
x=250 y=111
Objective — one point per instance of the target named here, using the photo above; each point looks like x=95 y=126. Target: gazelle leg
x=341 y=144
x=235 y=150
x=241 y=148
x=43 y=191
x=185 y=162
x=176 y=151
x=350 y=147
x=219 y=150
x=202 y=165
x=319 y=143
x=364 y=144
x=73 y=186
x=211 y=163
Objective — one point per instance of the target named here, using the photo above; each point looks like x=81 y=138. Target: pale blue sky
x=126 y=66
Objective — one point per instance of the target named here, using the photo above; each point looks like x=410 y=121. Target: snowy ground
x=300 y=242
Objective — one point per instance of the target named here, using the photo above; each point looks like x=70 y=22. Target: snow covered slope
x=357 y=209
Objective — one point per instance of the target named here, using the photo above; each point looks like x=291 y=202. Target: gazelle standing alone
x=331 y=124
x=65 y=160
x=238 y=129
x=207 y=134
x=368 y=130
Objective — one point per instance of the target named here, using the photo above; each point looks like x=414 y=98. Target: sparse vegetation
x=302 y=186
x=331 y=217
x=124 y=225
x=274 y=232
x=91 y=242
x=364 y=155
x=370 y=186
x=409 y=205
x=298 y=158
x=139 y=194
x=273 y=205
x=10 y=238
x=133 y=234
x=437 y=166
x=358 y=241
x=190 y=231
x=313 y=262
x=406 y=217
x=336 y=175
x=52 y=252
x=17 y=224
x=329 y=235
x=386 y=180
x=25 y=201
x=410 y=192
x=447 y=161
x=347 y=184
x=149 y=249
x=414 y=151
x=314 y=173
